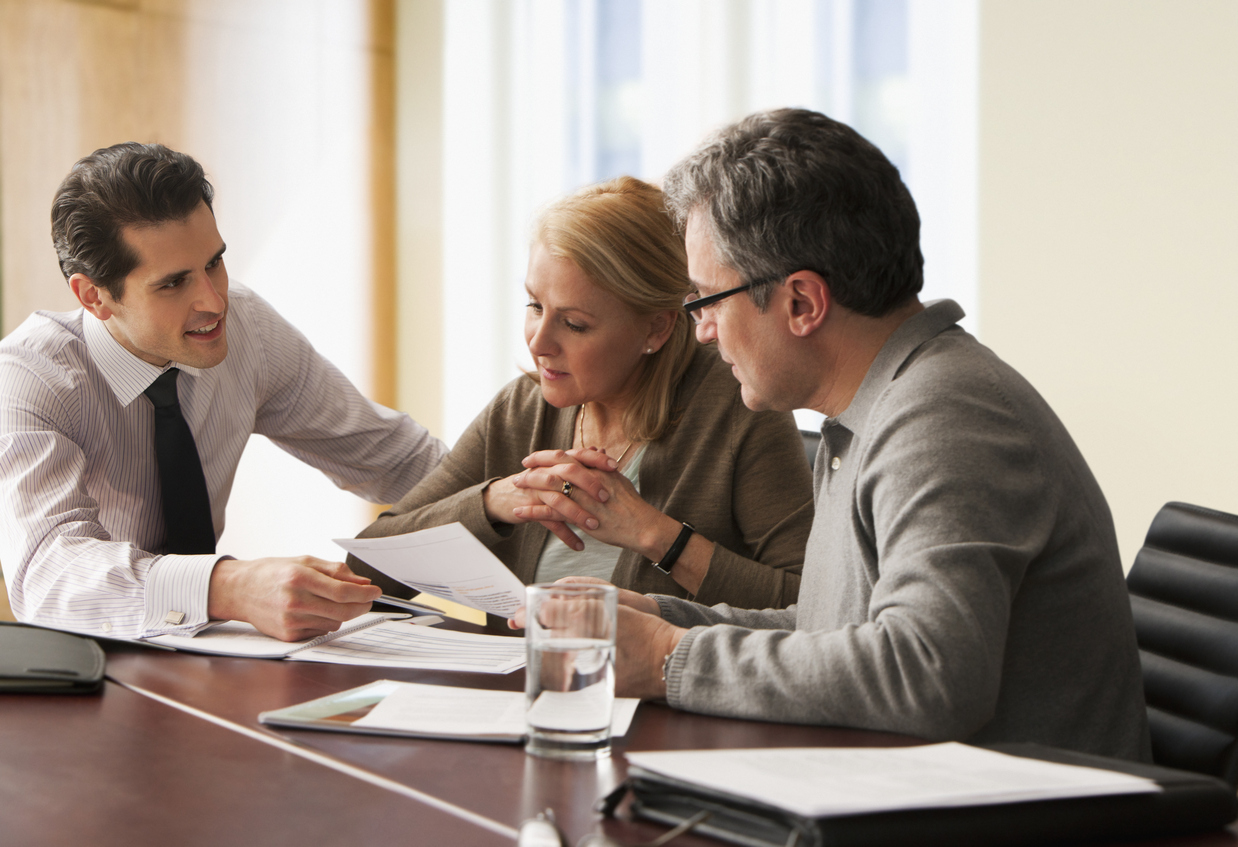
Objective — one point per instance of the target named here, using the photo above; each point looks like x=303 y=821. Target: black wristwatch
x=672 y=555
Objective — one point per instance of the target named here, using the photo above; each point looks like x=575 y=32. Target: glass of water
x=570 y=679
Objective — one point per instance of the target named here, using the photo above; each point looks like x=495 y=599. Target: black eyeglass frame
x=691 y=306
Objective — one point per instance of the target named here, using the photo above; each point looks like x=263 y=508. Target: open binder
x=1187 y=803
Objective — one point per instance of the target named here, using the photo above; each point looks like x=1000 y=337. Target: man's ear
x=808 y=302
x=93 y=298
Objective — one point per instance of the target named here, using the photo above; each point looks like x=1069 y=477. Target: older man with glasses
x=962 y=579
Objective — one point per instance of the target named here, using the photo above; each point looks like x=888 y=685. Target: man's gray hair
x=790 y=190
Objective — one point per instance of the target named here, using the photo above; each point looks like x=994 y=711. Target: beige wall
x=73 y=77
x=1109 y=235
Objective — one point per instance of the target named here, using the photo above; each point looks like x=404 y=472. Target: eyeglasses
x=694 y=302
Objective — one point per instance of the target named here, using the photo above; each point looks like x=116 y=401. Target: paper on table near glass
x=445 y=561
x=572 y=711
x=825 y=782
x=415 y=709
x=374 y=639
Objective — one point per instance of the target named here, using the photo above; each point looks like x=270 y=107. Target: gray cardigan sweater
x=739 y=477
x=962 y=580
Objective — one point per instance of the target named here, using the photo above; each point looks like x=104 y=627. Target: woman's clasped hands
x=581 y=487
x=556 y=493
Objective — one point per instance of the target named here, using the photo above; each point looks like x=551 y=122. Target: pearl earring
x=649 y=350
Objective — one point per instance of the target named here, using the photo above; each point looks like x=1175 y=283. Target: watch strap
x=672 y=555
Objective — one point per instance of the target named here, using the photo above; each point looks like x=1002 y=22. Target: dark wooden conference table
x=172 y=752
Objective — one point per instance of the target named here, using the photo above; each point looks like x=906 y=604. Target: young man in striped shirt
x=91 y=539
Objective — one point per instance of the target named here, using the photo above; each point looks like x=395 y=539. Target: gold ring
x=567 y=490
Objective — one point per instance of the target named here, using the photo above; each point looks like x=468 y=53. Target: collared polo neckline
x=126 y=374
x=937 y=317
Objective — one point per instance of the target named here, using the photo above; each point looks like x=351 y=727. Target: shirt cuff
x=176 y=594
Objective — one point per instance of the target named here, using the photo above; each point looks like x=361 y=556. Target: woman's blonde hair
x=620 y=234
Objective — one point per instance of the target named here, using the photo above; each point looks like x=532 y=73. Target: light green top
x=597 y=559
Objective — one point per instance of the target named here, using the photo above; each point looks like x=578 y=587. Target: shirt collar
x=937 y=317
x=126 y=374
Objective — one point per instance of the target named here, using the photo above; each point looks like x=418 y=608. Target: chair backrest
x=811 y=440
x=1184 y=594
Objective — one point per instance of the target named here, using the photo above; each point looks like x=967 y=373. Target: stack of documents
x=375 y=639
x=444 y=561
x=826 y=782
x=1019 y=795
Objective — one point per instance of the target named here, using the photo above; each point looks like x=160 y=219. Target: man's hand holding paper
x=444 y=561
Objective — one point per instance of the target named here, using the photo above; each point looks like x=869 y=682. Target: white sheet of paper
x=571 y=710
x=373 y=639
x=446 y=561
x=236 y=638
x=405 y=644
x=820 y=782
x=449 y=710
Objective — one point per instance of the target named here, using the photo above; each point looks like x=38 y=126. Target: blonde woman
x=695 y=495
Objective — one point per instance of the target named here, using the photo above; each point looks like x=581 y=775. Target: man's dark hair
x=115 y=187
x=789 y=190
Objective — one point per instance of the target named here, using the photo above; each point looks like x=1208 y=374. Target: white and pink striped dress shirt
x=81 y=523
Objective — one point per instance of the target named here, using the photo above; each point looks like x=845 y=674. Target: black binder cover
x=46 y=661
x=1189 y=803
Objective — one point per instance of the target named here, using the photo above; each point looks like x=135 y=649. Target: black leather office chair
x=1184 y=593
x=811 y=440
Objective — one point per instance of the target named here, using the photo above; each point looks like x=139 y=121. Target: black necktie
x=186 y=503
